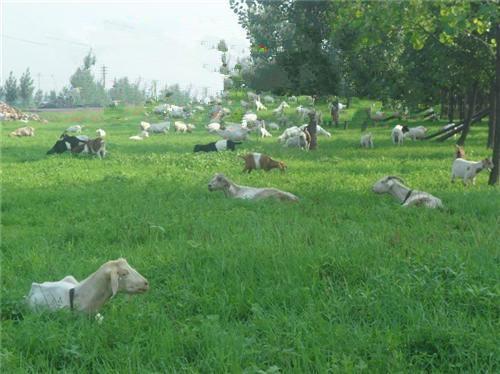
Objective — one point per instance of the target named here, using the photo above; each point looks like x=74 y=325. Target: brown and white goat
x=255 y=161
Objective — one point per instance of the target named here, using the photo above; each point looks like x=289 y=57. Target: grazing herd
x=117 y=276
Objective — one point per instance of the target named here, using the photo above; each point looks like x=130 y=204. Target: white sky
x=167 y=40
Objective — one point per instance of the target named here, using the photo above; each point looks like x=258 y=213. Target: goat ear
x=114 y=281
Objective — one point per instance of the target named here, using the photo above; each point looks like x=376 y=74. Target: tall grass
x=344 y=281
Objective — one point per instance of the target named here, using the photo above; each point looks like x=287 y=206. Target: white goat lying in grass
x=230 y=189
x=213 y=127
x=141 y=136
x=467 y=170
x=90 y=294
x=408 y=197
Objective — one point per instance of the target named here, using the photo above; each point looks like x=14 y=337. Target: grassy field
x=344 y=281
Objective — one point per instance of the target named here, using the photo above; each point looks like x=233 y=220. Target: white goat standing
x=408 y=197
x=397 y=134
x=467 y=170
x=259 y=105
x=415 y=133
x=90 y=294
x=367 y=140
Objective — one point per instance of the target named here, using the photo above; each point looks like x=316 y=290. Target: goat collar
x=71 y=298
x=407 y=196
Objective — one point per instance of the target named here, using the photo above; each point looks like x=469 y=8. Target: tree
x=290 y=39
x=2 y=92
x=127 y=92
x=26 y=88
x=11 y=92
x=89 y=91
x=494 y=175
x=38 y=98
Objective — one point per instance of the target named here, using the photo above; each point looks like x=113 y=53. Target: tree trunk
x=496 y=146
x=443 y=103
x=461 y=108
x=492 y=116
x=311 y=128
x=451 y=106
x=471 y=103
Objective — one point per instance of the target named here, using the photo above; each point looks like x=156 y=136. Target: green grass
x=344 y=281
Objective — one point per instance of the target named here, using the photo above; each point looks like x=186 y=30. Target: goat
x=180 y=127
x=159 y=128
x=302 y=111
x=367 y=140
x=264 y=133
x=288 y=133
x=299 y=141
x=268 y=99
x=67 y=143
x=90 y=294
x=217 y=146
x=415 y=133
x=467 y=170
x=100 y=133
x=273 y=126
x=144 y=126
x=95 y=146
x=23 y=131
x=213 y=127
x=234 y=133
x=230 y=189
x=397 y=134
x=319 y=130
x=259 y=105
x=75 y=128
x=408 y=197
x=251 y=96
x=255 y=161
x=141 y=136
x=281 y=108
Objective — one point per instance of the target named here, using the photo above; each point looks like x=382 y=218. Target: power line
x=23 y=40
x=68 y=41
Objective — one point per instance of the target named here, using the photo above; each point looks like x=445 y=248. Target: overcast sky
x=169 y=41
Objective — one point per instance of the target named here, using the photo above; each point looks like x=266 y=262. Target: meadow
x=344 y=281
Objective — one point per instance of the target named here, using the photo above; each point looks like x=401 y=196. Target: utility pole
x=38 y=76
x=103 y=73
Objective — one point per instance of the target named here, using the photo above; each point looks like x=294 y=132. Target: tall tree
x=38 y=98
x=89 y=91
x=290 y=45
x=26 y=88
x=11 y=92
x=494 y=175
